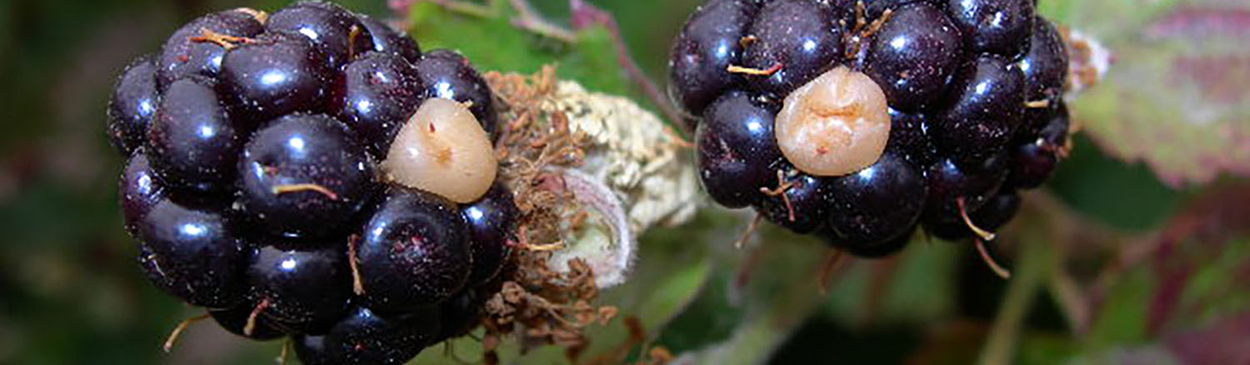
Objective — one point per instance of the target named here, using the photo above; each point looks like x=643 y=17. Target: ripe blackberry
x=301 y=289
x=133 y=105
x=365 y=337
x=448 y=75
x=801 y=37
x=413 y=252
x=489 y=223
x=388 y=40
x=336 y=31
x=190 y=52
x=381 y=91
x=736 y=149
x=944 y=96
x=273 y=75
x=710 y=42
x=194 y=254
x=192 y=143
x=252 y=146
x=304 y=175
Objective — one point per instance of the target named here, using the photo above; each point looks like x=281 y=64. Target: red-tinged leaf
x=1176 y=96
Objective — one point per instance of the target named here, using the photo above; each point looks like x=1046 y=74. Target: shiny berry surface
x=381 y=91
x=413 y=252
x=994 y=26
x=193 y=254
x=388 y=40
x=448 y=75
x=913 y=56
x=987 y=109
x=336 y=31
x=490 y=223
x=139 y=190
x=800 y=204
x=235 y=320
x=132 y=106
x=736 y=150
x=299 y=288
x=305 y=175
x=189 y=52
x=878 y=203
x=800 y=37
x=192 y=142
x=1037 y=154
x=708 y=44
x=366 y=337
x=277 y=74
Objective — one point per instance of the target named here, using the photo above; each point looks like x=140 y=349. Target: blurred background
x=1137 y=252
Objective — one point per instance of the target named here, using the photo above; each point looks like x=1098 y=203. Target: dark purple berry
x=1045 y=66
x=997 y=211
x=448 y=75
x=414 y=252
x=736 y=149
x=381 y=91
x=877 y=204
x=950 y=183
x=913 y=56
x=800 y=204
x=388 y=40
x=192 y=143
x=462 y=313
x=276 y=74
x=799 y=36
x=133 y=106
x=301 y=289
x=489 y=223
x=305 y=175
x=195 y=255
x=190 y=52
x=235 y=320
x=369 y=338
x=311 y=350
x=909 y=136
x=870 y=250
x=336 y=31
x=1037 y=154
x=139 y=191
x=986 y=110
x=710 y=42
x=995 y=26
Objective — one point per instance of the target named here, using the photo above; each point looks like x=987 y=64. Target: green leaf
x=1175 y=96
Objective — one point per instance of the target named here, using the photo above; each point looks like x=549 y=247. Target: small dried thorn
x=754 y=71
x=351 y=41
x=545 y=247
x=177 y=332
x=989 y=261
x=1037 y=104
x=224 y=40
x=747 y=40
x=467 y=103
x=261 y=16
x=358 y=285
x=877 y=24
x=250 y=326
x=286 y=346
x=295 y=188
x=782 y=187
x=744 y=272
x=826 y=270
x=746 y=235
x=963 y=213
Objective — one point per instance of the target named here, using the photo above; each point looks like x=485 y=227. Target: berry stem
x=750 y=230
x=754 y=71
x=1037 y=104
x=224 y=40
x=250 y=326
x=177 y=332
x=990 y=262
x=782 y=187
x=286 y=346
x=295 y=188
x=358 y=285
x=963 y=213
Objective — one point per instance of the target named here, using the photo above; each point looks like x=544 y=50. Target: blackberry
x=448 y=75
x=133 y=105
x=312 y=174
x=192 y=143
x=414 y=252
x=381 y=91
x=736 y=149
x=194 y=254
x=304 y=175
x=888 y=114
x=300 y=289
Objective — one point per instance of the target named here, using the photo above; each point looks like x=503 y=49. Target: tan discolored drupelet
x=835 y=125
x=443 y=150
